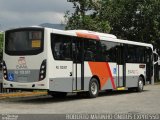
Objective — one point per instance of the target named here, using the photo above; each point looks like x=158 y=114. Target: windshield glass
x=25 y=42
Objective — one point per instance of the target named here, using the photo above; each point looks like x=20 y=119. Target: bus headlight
x=42 y=72
x=4 y=68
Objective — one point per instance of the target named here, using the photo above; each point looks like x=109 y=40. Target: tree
x=86 y=16
x=136 y=20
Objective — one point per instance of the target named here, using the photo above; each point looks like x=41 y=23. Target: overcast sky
x=18 y=13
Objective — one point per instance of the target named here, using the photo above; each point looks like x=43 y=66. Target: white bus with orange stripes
x=74 y=61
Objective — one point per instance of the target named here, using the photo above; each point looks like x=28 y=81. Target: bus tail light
x=5 y=73
x=42 y=72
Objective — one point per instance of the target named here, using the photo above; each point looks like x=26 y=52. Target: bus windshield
x=24 y=41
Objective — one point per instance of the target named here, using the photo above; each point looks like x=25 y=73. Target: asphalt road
x=107 y=102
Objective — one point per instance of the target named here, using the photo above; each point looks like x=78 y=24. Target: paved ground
x=112 y=102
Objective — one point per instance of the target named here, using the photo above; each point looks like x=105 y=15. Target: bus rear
x=24 y=59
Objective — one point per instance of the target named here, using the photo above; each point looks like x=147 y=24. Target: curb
x=21 y=94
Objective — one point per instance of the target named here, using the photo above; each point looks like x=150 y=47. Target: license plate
x=22 y=79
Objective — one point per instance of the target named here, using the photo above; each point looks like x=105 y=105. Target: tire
x=58 y=94
x=93 y=88
x=140 y=85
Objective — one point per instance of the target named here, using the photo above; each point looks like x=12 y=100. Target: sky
x=20 y=13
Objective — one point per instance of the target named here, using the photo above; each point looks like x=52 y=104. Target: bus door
x=121 y=71
x=78 y=64
x=149 y=65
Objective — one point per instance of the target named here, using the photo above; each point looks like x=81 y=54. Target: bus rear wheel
x=93 y=88
x=140 y=85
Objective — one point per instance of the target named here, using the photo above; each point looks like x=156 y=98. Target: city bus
x=76 y=61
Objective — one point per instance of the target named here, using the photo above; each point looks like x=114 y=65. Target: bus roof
x=135 y=43
x=94 y=33
x=110 y=37
x=101 y=36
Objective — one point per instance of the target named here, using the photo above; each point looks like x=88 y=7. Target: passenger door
x=78 y=64
x=149 y=65
x=121 y=71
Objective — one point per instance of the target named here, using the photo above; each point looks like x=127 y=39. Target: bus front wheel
x=140 y=85
x=93 y=88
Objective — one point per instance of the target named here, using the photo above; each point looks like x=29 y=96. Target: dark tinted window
x=100 y=51
x=77 y=49
x=138 y=54
x=61 y=47
x=107 y=51
x=141 y=54
x=90 y=50
x=131 y=55
x=24 y=41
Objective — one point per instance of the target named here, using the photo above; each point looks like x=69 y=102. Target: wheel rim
x=141 y=84
x=94 y=88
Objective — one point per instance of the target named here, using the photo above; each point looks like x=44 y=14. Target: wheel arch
x=96 y=77
x=144 y=82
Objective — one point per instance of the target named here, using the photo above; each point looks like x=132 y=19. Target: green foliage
x=136 y=20
x=1 y=45
x=86 y=17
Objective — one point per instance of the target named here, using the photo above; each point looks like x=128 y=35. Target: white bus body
x=47 y=68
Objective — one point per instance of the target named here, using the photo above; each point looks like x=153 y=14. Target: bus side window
x=131 y=54
x=104 y=53
x=66 y=50
x=108 y=51
x=61 y=47
x=76 y=51
x=57 y=51
x=90 y=50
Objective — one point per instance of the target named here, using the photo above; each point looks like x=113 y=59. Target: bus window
x=61 y=47
x=24 y=41
x=137 y=54
x=140 y=54
x=77 y=50
x=131 y=54
x=108 y=51
x=90 y=47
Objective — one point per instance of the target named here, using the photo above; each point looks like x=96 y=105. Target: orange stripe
x=87 y=35
x=102 y=70
x=110 y=74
